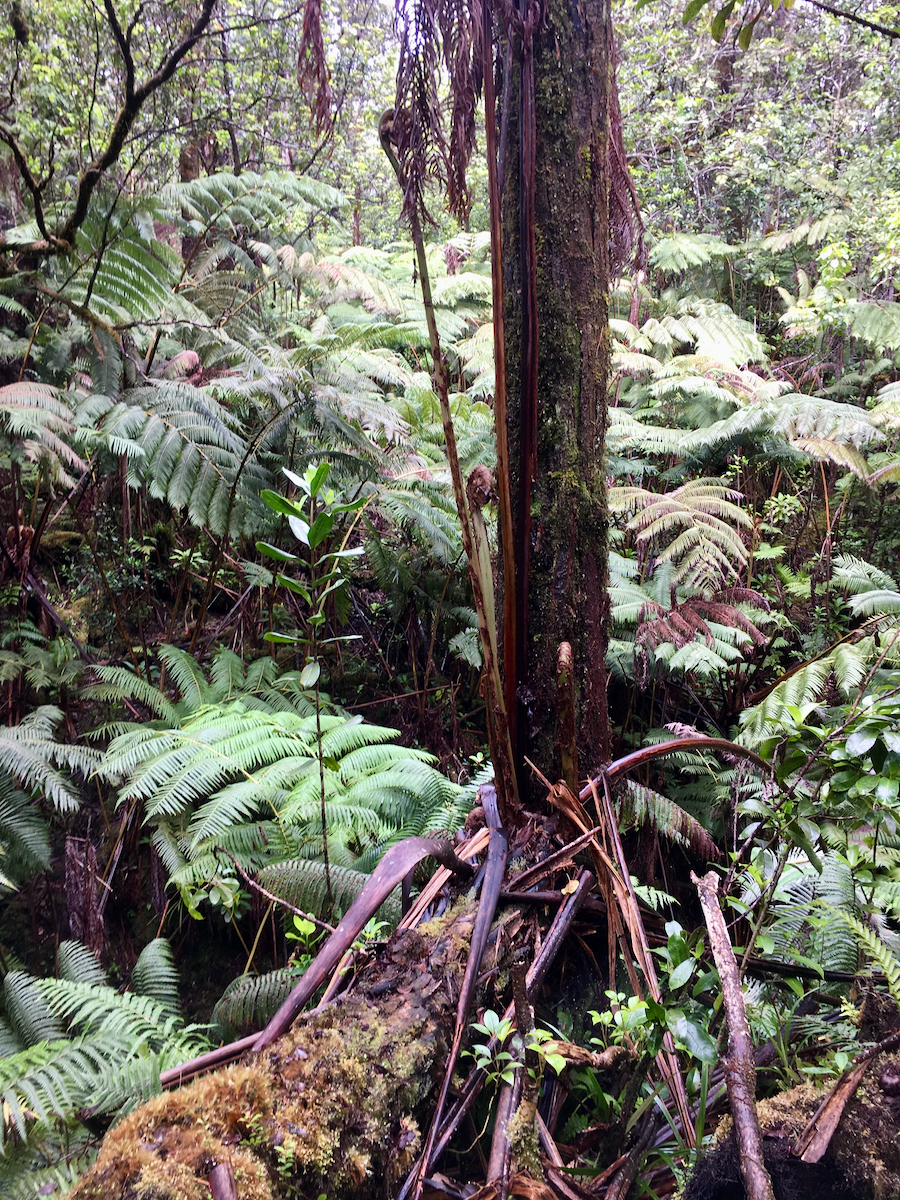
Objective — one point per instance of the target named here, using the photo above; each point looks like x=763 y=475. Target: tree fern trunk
x=331 y=1108
x=558 y=483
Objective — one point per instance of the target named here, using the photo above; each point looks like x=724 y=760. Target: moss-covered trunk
x=331 y=1108
x=558 y=487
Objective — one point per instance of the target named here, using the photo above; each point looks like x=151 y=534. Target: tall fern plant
x=235 y=770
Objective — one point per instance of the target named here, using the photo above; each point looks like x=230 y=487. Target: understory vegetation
x=239 y=653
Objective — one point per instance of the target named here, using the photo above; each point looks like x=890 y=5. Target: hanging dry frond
x=626 y=226
x=434 y=33
x=312 y=66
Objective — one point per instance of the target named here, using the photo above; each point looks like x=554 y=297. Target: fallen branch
x=812 y=1143
x=386 y=876
x=740 y=1069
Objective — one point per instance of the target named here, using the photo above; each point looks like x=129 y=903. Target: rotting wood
x=740 y=1068
x=221 y=1182
x=334 y=1106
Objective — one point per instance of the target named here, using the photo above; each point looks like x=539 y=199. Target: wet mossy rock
x=332 y=1107
x=862 y=1162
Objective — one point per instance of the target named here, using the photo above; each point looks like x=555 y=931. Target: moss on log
x=333 y=1107
x=861 y=1163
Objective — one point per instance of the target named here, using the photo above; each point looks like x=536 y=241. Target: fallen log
x=332 y=1107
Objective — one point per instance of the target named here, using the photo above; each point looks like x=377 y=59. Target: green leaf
x=887 y=790
x=692 y=9
x=309 y=676
x=709 y=979
x=300 y=529
x=273 y=552
x=862 y=740
x=717 y=25
x=283 y=639
x=295 y=586
x=280 y=504
x=320 y=529
x=318 y=478
x=682 y=973
x=689 y=1031
x=745 y=37
x=350 y=506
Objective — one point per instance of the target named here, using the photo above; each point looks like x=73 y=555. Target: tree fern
x=34 y=766
x=682 y=251
x=41 y=420
x=801 y=690
x=229 y=771
x=703 y=515
x=79 y=965
x=249 y=1001
x=24 y=835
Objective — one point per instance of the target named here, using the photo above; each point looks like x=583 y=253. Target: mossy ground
x=862 y=1162
x=332 y=1107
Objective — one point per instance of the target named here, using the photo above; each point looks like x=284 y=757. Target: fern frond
x=708 y=549
x=639 y=805
x=302 y=883
x=877 y=950
x=79 y=965
x=29 y=754
x=801 y=689
x=249 y=1002
x=27 y=1009
x=155 y=975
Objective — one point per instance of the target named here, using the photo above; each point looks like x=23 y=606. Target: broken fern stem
x=479 y=572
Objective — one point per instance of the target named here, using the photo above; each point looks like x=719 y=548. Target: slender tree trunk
x=557 y=365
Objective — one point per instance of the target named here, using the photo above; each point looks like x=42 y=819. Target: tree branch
x=124 y=48
x=884 y=30
x=135 y=98
x=35 y=189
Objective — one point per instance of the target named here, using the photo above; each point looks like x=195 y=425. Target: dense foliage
x=230 y=539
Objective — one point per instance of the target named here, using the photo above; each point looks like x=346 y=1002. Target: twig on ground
x=740 y=1068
